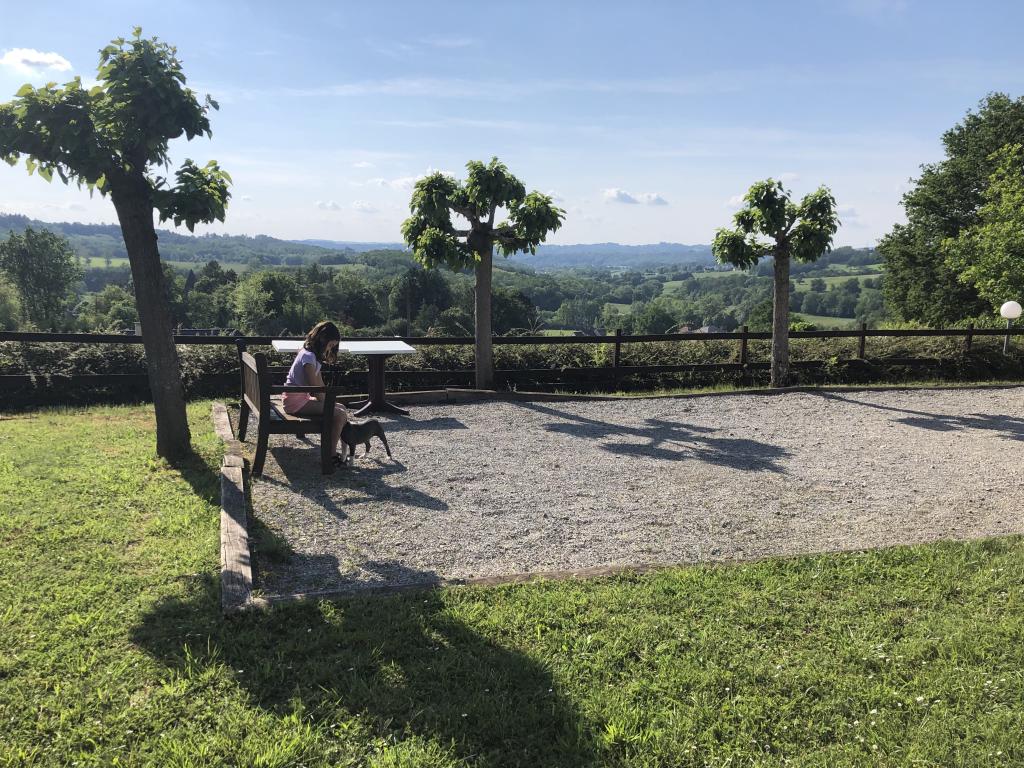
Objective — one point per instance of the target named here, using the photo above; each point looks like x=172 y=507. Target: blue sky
x=647 y=120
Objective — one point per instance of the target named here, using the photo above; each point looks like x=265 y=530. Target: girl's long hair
x=318 y=338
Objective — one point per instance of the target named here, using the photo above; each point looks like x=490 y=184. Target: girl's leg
x=314 y=407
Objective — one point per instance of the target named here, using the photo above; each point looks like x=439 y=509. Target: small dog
x=355 y=432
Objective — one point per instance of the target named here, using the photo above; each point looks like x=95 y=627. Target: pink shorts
x=295 y=401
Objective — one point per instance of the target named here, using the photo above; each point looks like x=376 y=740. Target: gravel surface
x=492 y=488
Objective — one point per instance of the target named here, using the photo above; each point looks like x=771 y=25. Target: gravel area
x=493 y=488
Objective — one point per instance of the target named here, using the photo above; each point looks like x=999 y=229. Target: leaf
x=25 y=90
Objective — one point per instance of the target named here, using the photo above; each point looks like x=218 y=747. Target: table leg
x=375 y=389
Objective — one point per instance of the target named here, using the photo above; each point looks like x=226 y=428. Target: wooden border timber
x=235 y=553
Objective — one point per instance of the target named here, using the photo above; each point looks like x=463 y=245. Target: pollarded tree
x=109 y=138
x=803 y=232
x=435 y=240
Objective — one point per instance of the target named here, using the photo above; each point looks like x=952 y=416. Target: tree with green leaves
x=920 y=282
x=989 y=255
x=801 y=231
x=435 y=239
x=112 y=138
x=42 y=266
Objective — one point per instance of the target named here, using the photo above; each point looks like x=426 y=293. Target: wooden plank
x=235 y=558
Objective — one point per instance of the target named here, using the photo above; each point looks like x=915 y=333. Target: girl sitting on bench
x=320 y=346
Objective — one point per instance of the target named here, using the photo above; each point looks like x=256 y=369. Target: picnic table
x=376 y=353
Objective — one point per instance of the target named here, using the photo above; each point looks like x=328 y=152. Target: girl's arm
x=313 y=377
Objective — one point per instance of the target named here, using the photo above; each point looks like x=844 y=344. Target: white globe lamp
x=1011 y=311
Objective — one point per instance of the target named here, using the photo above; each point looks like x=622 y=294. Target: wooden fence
x=612 y=374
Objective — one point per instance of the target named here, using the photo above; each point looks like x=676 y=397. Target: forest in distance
x=265 y=285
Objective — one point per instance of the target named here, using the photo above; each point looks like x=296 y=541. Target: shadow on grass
x=404 y=663
x=668 y=441
x=204 y=479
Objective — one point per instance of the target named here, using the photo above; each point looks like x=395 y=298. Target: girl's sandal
x=339 y=460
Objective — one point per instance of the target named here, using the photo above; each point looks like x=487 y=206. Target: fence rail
x=593 y=375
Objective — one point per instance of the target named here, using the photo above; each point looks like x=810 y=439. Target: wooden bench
x=271 y=419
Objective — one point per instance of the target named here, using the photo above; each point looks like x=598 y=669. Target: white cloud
x=849 y=216
x=402 y=183
x=789 y=176
x=328 y=205
x=29 y=61
x=615 y=195
x=363 y=164
x=555 y=196
x=734 y=203
x=363 y=207
x=246 y=198
x=652 y=198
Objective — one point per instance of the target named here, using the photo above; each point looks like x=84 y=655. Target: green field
x=626 y=308
x=805 y=282
x=183 y=265
x=824 y=322
x=113 y=650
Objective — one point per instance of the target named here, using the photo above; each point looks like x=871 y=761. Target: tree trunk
x=780 y=321
x=482 y=308
x=135 y=213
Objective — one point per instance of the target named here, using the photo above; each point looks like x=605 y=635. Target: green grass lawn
x=113 y=652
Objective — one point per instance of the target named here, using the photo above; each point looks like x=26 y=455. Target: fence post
x=863 y=340
x=617 y=357
x=743 y=345
x=240 y=346
x=969 y=338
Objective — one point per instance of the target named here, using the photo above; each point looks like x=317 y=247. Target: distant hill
x=101 y=241
x=584 y=255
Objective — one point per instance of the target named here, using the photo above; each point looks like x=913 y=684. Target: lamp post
x=1011 y=311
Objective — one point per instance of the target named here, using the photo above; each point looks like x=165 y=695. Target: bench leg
x=243 y=421
x=326 y=434
x=261 y=453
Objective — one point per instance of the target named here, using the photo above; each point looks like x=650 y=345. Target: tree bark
x=780 y=321
x=135 y=213
x=482 y=320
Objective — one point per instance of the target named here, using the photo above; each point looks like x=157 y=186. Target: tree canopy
x=42 y=267
x=921 y=283
x=989 y=254
x=104 y=136
x=488 y=187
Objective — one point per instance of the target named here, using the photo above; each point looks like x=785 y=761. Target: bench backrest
x=256 y=382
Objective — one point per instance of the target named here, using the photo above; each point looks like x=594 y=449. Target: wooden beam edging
x=594 y=572
x=235 y=554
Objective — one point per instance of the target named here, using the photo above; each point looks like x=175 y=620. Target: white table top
x=353 y=347
x=376 y=347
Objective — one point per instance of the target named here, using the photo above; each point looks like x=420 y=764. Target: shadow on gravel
x=1011 y=427
x=368 y=477
x=406 y=665
x=438 y=423
x=669 y=441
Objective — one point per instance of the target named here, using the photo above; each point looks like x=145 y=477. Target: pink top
x=295 y=401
